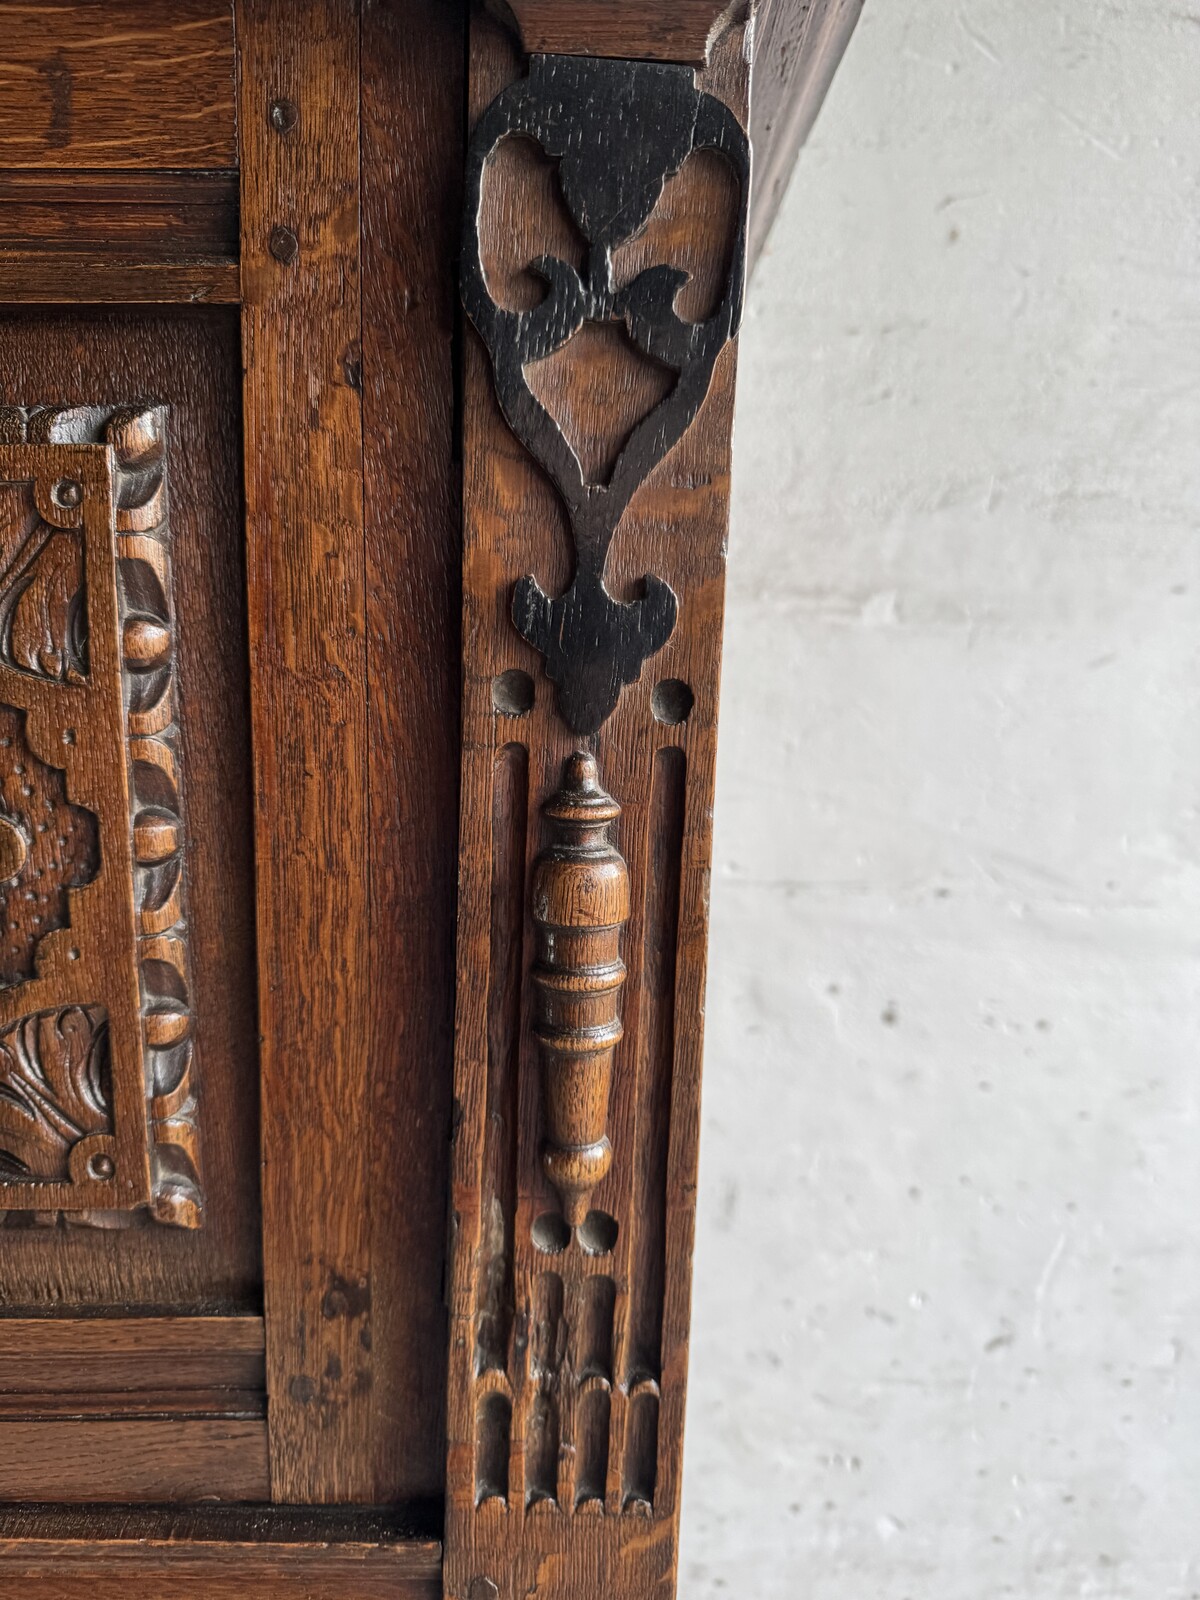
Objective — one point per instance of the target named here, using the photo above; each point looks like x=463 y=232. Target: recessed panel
x=128 y=1040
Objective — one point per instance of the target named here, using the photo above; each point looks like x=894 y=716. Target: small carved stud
x=284 y=115
x=68 y=493
x=283 y=245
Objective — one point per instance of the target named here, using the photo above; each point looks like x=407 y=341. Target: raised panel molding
x=97 y=1094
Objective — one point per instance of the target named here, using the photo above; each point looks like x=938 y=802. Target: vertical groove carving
x=580 y=905
x=493 y=1322
x=641 y=1450
x=492 y=1438
x=542 y=1426
x=594 y=1412
x=660 y=956
x=541 y=1449
x=597 y=1298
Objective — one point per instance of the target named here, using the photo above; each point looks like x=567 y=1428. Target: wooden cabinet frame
x=489 y=263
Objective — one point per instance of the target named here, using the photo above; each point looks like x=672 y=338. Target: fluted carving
x=580 y=906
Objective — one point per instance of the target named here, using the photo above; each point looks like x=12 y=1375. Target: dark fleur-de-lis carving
x=618 y=130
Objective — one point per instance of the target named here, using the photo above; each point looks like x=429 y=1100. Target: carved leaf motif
x=45 y=633
x=54 y=1090
x=43 y=625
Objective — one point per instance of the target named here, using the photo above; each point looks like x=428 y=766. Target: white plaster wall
x=947 y=1336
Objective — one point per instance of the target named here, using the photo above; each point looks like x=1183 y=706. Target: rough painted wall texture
x=948 y=1299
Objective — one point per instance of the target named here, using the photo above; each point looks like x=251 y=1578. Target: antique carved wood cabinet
x=366 y=382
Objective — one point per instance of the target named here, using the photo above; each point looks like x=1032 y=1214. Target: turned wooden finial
x=580 y=905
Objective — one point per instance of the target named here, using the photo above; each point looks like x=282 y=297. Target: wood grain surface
x=116 y=83
x=129 y=237
x=568 y=1349
x=113 y=1366
x=121 y=1458
x=355 y=597
x=216 y=1553
x=301 y=341
x=412 y=134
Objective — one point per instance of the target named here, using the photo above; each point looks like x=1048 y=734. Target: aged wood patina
x=366 y=385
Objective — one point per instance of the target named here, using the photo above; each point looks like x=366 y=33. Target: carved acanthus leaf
x=53 y=1090
x=43 y=620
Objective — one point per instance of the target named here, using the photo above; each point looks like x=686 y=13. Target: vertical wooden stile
x=593 y=1250
x=298 y=116
x=412 y=133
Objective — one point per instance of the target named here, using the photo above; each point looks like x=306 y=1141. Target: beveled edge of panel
x=245 y=1540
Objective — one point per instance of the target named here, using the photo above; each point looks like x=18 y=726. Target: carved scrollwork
x=618 y=130
x=135 y=758
x=54 y=1092
x=43 y=619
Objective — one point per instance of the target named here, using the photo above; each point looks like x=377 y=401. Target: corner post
x=602 y=269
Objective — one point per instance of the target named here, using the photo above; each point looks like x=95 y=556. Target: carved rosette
x=44 y=609
x=580 y=905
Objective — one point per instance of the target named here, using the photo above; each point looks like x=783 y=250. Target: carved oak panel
x=97 y=1108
